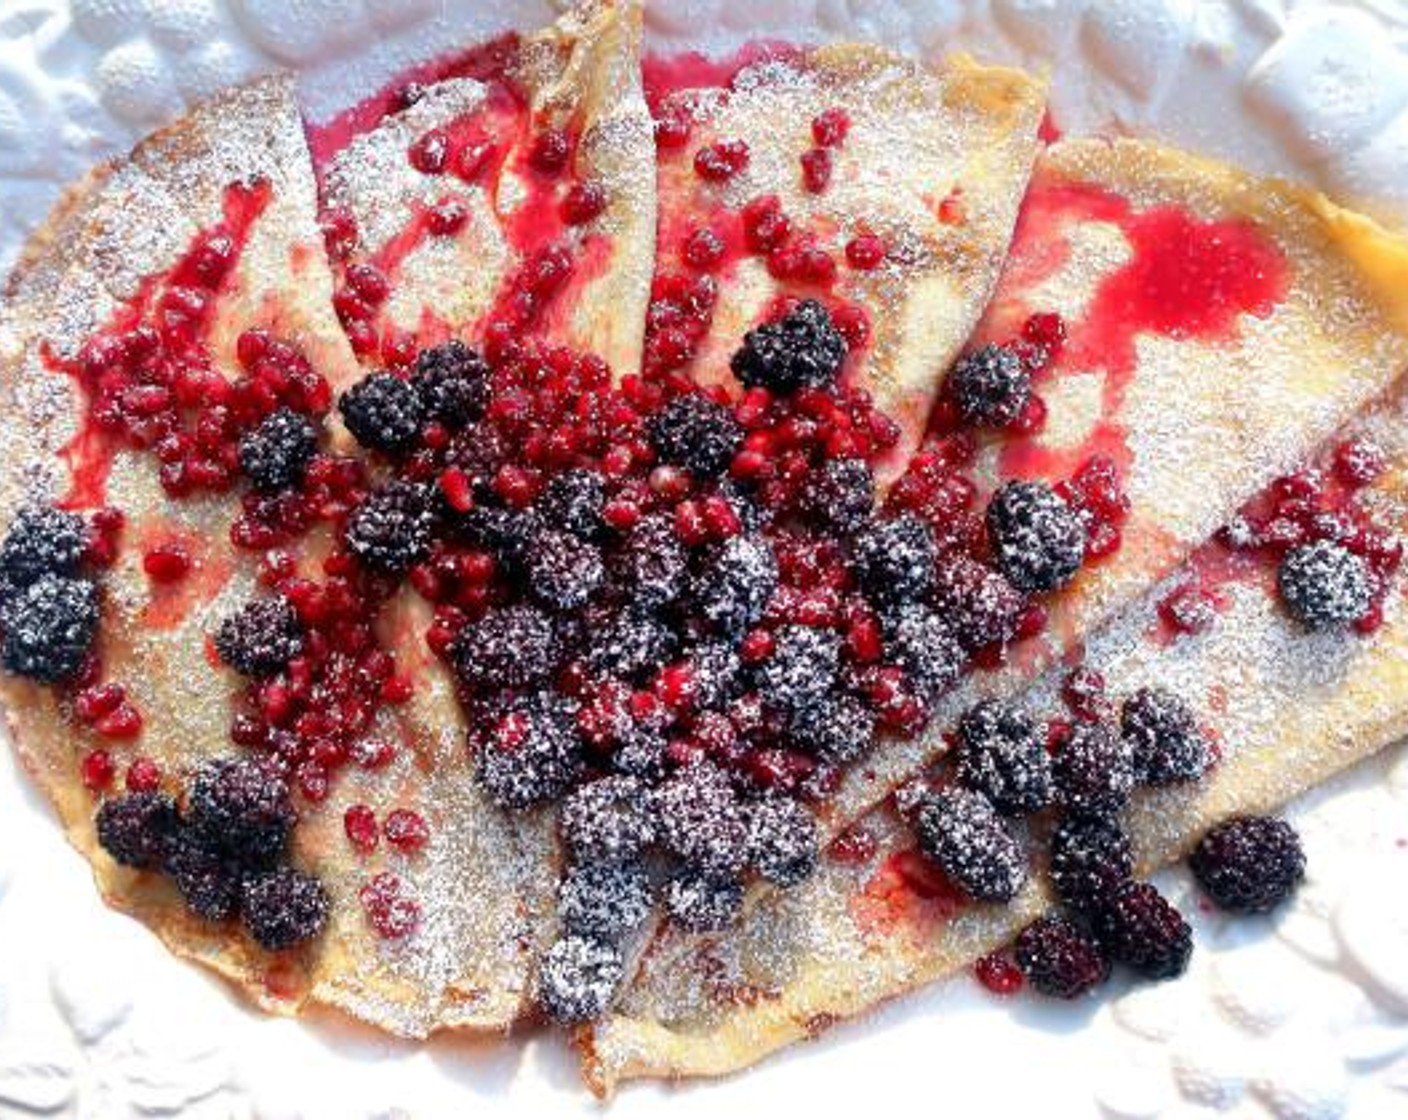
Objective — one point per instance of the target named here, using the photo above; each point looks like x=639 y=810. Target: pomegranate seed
x=550 y=151
x=97 y=770
x=446 y=217
x=1358 y=462
x=166 y=563
x=703 y=249
x=369 y=283
x=757 y=645
x=458 y=489
x=429 y=152
x=998 y=973
x=406 y=830
x=829 y=128
x=952 y=211
x=1084 y=694
x=473 y=160
x=765 y=226
x=123 y=722
x=1188 y=610
x=865 y=252
x=583 y=203
x=672 y=129
x=93 y=703
x=359 y=822
x=721 y=161
x=816 y=169
x=143 y=775
x=516 y=485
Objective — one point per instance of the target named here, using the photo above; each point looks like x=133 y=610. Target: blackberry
x=241 y=810
x=1090 y=858
x=1324 y=585
x=702 y=903
x=607 y=821
x=734 y=588
x=750 y=515
x=921 y=644
x=652 y=566
x=840 y=494
x=136 y=828
x=642 y=753
x=41 y=541
x=801 y=349
x=283 y=907
x=802 y=669
x=1059 y=960
x=276 y=453
x=208 y=883
x=783 y=840
x=701 y=820
x=990 y=386
x=1093 y=769
x=49 y=628
x=962 y=833
x=510 y=647
x=1249 y=865
x=696 y=433
x=893 y=559
x=452 y=384
x=390 y=531
x=261 y=638
x=837 y=729
x=604 y=900
x=717 y=673
x=562 y=570
x=383 y=413
x=630 y=643
x=507 y=533
x=979 y=604
x=578 y=978
x=535 y=757
x=1164 y=734
x=1001 y=754
x=1038 y=540
x=1140 y=928
x=573 y=502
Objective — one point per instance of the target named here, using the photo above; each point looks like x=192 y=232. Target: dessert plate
x=1110 y=53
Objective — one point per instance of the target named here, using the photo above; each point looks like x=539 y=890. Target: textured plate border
x=1306 y=1017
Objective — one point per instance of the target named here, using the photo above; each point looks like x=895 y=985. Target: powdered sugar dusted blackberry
x=701 y=902
x=736 y=584
x=608 y=821
x=604 y=900
x=702 y=821
x=577 y=978
x=802 y=669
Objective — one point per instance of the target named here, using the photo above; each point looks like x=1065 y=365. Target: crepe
x=933 y=164
x=1199 y=426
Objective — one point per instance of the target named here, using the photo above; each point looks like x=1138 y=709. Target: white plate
x=1306 y=1017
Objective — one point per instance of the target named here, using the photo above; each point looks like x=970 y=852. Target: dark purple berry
x=801 y=349
x=510 y=647
x=283 y=908
x=717 y=674
x=452 y=384
x=840 y=494
x=802 y=669
x=383 y=413
x=390 y=531
x=241 y=809
x=783 y=840
x=534 y=756
x=261 y=638
x=208 y=882
x=837 y=728
x=920 y=642
x=1249 y=865
x=735 y=586
x=1093 y=769
x=573 y=502
x=49 y=628
x=701 y=820
x=630 y=643
x=1037 y=539
x=1141 y=929
x=136 y=828
x=606 y=901
x=607 y=821
x=1324 y=585
x=642 y=753
x=991 y=386
x=652 y=566
x=1168 y=744
x=980 y=606
x=962 y=833
x=578 y=978
x=894 y=558
x=562 y=570
x=1059 y=960
x=1002 y=755
x=41 y=541
x=1090 y=858
x=697 y=433
x=698 y=902
x=276 y=453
